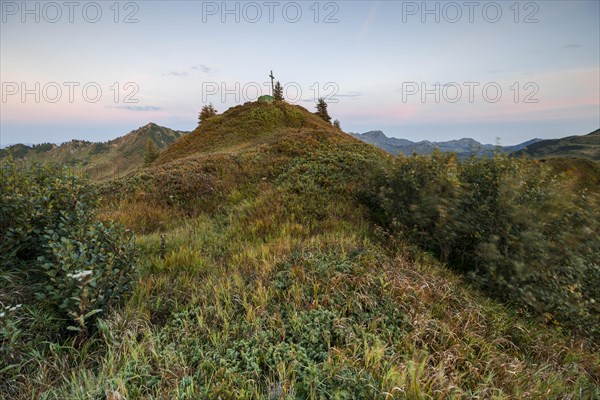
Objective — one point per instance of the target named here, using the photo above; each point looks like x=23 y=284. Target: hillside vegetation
x=98 y=160
x=584 y=146
x=273 y=264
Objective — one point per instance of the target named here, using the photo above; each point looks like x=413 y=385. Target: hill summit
x=243 y=125
x=256 y=147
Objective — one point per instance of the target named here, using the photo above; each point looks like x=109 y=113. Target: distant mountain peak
x=375 y=134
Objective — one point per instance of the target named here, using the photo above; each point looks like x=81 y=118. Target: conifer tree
x=207 y=112
x=151 y=152
x=278 y=92
x=336 y=123
x=322 y=110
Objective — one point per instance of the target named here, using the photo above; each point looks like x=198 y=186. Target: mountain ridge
x=576 y=146
x=101 y=160
x=464 y=147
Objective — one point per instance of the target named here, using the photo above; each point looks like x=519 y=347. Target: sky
x=504 y=71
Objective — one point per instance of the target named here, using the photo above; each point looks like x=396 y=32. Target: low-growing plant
x=56 y=260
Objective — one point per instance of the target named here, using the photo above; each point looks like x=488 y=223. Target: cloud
x=572 y=46
x=205 y=69
x=351 y=95
x=175 y=73
x=138 y=108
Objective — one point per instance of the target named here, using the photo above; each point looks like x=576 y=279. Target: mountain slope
x=520 y=146
x=263 y=277
x=249 y=147
x=116 y=157
x=585 y=146
x=377 y=138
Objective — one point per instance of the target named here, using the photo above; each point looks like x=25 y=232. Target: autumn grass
x=333 y=315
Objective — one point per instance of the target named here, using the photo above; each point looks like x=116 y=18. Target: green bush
x=510 y=224
x=55 y=258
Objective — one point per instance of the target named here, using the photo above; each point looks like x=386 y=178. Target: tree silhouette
x=322 y=110
x=207 y=112
x=278 y=92
x=336 y=123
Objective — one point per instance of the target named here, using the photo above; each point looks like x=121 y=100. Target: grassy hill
x=100 y=160
x=585 y=146
x=262 y=276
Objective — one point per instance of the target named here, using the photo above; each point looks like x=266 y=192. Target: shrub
x=54 y=255
x=99 y=148
x=510 y=224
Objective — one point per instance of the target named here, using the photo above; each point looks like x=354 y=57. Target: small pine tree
x=151 y=153
x=278 y=92
x=336 y=123
x=322 y=110
x=207 y=112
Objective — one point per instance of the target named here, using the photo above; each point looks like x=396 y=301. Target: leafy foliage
x=510 y=224
x=337 y=125
x=55 y=259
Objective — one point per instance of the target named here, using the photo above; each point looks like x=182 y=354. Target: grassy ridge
x=584 y=146
x=273 y=283
x=100 y=161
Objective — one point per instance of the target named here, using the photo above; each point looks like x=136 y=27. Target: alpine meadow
x=260 y=247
